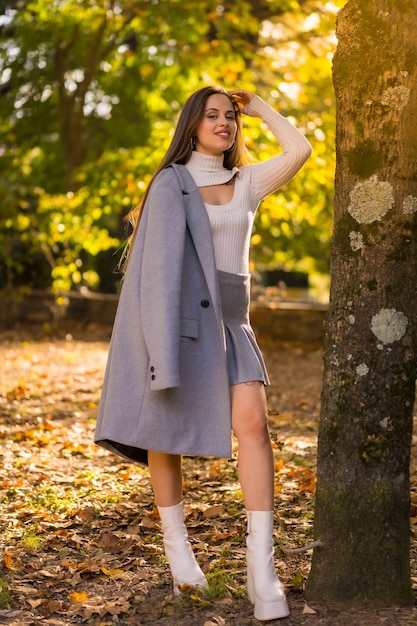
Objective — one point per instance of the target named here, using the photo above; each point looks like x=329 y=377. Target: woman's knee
x=249 y=411
x=252 y=427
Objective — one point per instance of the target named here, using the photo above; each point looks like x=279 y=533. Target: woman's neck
x=208 y=169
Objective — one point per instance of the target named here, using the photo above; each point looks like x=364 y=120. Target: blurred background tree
x=89 y=93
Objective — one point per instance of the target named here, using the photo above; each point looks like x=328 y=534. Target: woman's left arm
x=270 y=175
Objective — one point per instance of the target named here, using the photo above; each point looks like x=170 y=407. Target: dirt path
x=81 y=539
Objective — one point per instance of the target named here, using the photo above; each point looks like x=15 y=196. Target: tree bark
x=362 y=504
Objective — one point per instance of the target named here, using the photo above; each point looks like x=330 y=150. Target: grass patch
x=31 y=540
x=6 y=595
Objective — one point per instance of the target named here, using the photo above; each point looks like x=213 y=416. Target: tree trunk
x=362 y=503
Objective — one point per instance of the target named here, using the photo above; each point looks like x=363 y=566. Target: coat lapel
x=199 y=226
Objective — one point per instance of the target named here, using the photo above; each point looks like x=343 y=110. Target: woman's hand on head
x=242 y=97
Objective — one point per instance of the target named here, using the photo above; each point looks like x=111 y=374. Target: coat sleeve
x=160 y=280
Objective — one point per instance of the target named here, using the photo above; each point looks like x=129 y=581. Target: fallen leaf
x=9 y=560
x=55 y=606
x=75 y=597
x=112 y=572
x=214 y=511
x=217 y=621
x=308 y=610
x=8 y=616
x=87 y=513
x=280 y=464
x=148 y=522
x=36 y=602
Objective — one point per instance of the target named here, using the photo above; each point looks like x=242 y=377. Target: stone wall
x=279 y=321
x=290 y=321
x=43 y=307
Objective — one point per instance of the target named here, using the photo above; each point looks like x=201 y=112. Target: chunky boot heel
x=265 y=590
x=184 y=568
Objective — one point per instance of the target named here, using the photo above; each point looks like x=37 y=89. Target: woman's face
x=217 y=130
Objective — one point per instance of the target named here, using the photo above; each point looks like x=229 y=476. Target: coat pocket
x=189 y=328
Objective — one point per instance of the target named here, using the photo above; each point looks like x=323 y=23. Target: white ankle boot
x=184 y=568
x=264 y=587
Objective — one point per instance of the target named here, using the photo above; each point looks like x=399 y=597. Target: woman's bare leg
x=255 y=455
x=166 y=477
x=256 y=473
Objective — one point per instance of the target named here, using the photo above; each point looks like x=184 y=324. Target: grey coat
x=166 y=385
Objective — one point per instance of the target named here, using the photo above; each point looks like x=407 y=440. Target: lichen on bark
x=389 y=325
x=410 y=205
x=371 y=200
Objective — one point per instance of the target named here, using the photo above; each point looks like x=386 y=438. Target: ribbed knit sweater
x=231 y=223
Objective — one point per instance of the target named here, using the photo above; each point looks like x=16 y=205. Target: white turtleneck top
x=231 y=223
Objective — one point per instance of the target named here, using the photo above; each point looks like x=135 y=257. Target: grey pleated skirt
x=244 y=358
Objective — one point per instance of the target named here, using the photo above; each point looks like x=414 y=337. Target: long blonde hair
x=181 y=145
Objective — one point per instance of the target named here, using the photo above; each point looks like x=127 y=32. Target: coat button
x=205 y=304
x=153 y=377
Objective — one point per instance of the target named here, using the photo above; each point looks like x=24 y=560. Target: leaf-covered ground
x=81 y=540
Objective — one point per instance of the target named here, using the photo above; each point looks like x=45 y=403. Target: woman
x=184 y=368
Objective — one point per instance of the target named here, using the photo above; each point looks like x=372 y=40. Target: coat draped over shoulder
x=166 y=385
